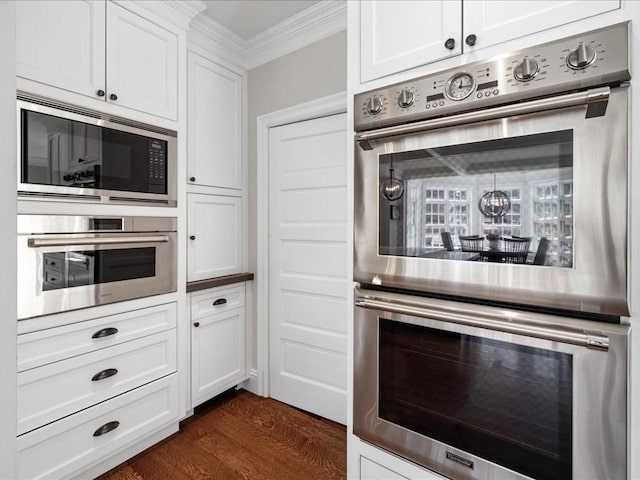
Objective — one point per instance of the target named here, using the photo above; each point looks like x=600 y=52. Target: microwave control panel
x=591 y=59
x=157 y=166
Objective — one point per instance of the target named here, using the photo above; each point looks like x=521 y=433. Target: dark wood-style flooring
x=242 y=436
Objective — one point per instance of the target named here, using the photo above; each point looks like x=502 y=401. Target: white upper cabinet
x=398 y=35
x=215 y=124
x=497 y=21
x=142 y=64
x=62 y=44
x=99 y=50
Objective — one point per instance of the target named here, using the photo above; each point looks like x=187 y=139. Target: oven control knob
x=406 y=98
x=581 y=57
x=374 y=105
x=526 y=70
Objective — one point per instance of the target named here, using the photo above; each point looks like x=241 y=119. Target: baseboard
x=251 y=383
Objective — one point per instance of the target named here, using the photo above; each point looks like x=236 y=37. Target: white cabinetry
x=372 y=471
x=99 y=50
x=399 y=35
x=89 y=389
x=215 y=236
x=217 y=341
x=215 y=124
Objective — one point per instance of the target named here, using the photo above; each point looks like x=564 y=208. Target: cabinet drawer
x=216 y=301
x=69 y=446
x=48 y=393
x=47 y=346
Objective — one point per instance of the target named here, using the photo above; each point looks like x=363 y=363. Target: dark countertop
x=218 y=281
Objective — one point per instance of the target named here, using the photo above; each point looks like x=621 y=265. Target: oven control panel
x=595 y=58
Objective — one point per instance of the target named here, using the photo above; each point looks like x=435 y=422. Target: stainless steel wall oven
x=475 y=392
x=490 y=245
x=521 y=198
x=71 y=262
x=78 y=154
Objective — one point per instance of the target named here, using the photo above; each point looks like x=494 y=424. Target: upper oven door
x=542 y=195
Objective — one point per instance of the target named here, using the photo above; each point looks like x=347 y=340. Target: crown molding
x=178 y=12
x=311 y=25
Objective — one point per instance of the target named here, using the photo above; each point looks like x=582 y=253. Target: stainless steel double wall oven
x=490 y=208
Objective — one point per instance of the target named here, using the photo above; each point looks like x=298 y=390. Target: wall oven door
x=482 y=393
x=524 y=203
x=69 y=262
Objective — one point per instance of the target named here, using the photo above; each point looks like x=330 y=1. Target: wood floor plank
x=242 y=436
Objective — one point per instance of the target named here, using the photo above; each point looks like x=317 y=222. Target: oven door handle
x=596 y=100
x=72 y=242
x=583 y=339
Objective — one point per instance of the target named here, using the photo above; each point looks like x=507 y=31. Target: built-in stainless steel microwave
x=78 y=154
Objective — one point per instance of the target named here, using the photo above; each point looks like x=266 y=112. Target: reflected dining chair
x=518 y=248
x=471 y=243
x=446 y=241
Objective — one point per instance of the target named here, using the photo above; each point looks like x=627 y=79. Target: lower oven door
x=60 y=272
x=475 y=392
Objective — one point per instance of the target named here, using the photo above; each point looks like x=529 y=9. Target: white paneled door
x=308 y=274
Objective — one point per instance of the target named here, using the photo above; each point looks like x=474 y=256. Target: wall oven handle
x=596 y=100
x=589 y=340
x=72 y=242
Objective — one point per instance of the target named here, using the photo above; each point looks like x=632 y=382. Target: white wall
x=309 y=73
x=8 y=241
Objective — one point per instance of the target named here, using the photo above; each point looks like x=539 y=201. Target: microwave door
x=124 y=166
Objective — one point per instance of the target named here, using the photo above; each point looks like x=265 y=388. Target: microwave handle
x=596 y=100
x=72 y=242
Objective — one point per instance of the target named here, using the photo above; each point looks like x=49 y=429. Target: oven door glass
x=509 y=404
x=507 y=200
x=92 y=267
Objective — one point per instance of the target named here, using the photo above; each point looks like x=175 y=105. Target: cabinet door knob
x=192 y=179
x=106 y=428
x=192 y=237
x=113 y=96
x=196 y=324
x=100 y=93
x=220 y=301
x=450 y=44
x=471 y=40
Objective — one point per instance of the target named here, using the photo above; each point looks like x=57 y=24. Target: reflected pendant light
x=494 y=204
x=392 y=188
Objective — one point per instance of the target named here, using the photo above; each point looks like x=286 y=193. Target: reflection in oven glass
x=73 y=269
x=506 y=201
x=507 y=403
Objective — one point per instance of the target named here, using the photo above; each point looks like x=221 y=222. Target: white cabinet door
x=142 y=64
x=62 y=44
x=399 y=35
x=215 y=124
x=217 y=353
x=215 y=236
x=496 y=21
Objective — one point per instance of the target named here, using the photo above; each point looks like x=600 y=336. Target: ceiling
x=249 y=18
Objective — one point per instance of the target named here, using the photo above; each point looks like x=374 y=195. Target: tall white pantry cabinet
x=395 y=41
x=98 y=385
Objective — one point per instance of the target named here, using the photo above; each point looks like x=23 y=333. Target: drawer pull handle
x=105 y=332
x=106 y=428
x=109 y=372
x=220 y=301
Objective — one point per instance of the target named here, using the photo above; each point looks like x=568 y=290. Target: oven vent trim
x=68 y=107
